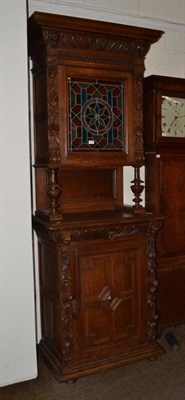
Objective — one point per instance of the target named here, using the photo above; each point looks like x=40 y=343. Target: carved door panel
x=111 y=291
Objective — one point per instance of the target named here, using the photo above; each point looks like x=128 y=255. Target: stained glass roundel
x=97 y=116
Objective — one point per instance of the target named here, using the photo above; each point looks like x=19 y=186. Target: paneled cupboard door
x=111 y=296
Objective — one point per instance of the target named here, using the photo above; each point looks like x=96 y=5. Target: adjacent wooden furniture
x=97 y=258
x=164 y=135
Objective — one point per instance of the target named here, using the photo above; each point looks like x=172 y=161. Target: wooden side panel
x=171 y=292
x=173 y=204
x=165 y=193
x=49 y=291
x=41 y=188
x=40 y=113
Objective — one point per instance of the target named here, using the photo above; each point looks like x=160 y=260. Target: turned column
x=137 y=188
x=53 y=191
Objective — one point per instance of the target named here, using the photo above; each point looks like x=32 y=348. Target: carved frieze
x=73 y=40
x=102 y=59
x=110 y=232
x=94 y=42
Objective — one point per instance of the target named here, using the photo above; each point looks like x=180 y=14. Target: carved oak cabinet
x=96 y=256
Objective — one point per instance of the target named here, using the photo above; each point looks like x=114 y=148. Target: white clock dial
x=173 y=116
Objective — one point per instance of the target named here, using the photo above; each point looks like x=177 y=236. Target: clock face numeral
x=173 y=116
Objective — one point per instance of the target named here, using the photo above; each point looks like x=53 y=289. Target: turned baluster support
x=137 y=189
x=53 y=191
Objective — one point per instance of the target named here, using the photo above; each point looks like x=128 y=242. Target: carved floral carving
x=54 y=155
x=64 y=269
x=67 y=323
x=53 y=112
x=67 y=302
x=51 y=38
x=152 y=282
x=138 y=114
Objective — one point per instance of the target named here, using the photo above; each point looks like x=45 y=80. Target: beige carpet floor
x=161 y=379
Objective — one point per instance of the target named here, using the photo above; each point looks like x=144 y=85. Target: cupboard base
x=87 y=367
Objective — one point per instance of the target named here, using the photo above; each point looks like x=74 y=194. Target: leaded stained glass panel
x=96 y=120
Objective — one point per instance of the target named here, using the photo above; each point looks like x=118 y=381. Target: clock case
x=165 y=193
x=96 y=256
x=156 y=86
